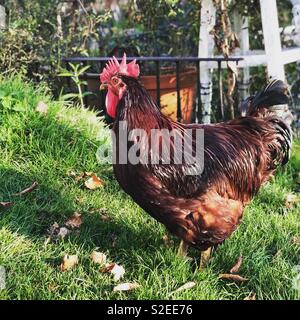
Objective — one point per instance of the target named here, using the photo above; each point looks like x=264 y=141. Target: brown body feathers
x=239 y=156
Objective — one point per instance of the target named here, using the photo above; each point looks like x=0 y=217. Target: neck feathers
x=138 y=108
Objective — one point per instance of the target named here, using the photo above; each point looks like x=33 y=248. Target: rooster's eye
x=114 y=81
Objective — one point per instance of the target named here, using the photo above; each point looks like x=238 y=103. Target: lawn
x=49 y=148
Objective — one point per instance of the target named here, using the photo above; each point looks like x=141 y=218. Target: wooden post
x=2 y=17
x=272 y=40
x=206 y=46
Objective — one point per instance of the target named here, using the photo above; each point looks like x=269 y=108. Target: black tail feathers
x=284 y=139
x=270 y=103
x=275 y=93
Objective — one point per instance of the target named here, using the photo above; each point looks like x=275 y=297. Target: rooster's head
x=111 y=79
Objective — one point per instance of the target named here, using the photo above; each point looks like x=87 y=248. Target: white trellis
x=273 y=56
x=2 y=17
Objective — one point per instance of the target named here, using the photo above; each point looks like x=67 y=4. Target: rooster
x=202 y=209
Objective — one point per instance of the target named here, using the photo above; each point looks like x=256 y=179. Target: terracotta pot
x=168 y=93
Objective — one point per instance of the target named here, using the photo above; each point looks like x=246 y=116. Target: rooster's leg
x=183 y=248
x=204 y=258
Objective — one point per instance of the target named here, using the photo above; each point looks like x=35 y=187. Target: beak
x=103 y=86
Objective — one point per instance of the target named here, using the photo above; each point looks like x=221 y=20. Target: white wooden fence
x=2 y=17
x=273 y=56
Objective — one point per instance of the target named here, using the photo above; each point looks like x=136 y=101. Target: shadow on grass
x=45 y=137
x=32 y=214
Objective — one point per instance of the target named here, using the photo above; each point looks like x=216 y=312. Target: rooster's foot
x=182 y=250
x=204 y=258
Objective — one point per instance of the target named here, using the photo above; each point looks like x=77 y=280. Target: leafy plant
x=40 y=32
x=76 y=74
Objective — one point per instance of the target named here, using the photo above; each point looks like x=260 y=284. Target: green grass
x=45 y=147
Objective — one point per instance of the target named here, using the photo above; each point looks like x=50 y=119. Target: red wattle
x=111 y=103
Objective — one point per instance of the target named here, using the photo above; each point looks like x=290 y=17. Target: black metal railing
x=175 y=61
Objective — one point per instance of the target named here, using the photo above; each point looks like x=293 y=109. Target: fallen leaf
x=94 y=182
x=6 y=204
x=98 y=257
x=127 y=286
x=42 y=107
x=27 y=190
x=233 y=277
x=251 y=296
x=75 y=221
x=186 y=286
x=237 y=265
x=291 y=200
x=116 y=270
x=69 y=262
x=108 y=267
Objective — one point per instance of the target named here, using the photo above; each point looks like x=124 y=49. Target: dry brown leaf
x=27 y=190
x=116 y=270
x=237 y=265
x=291 y=200
x=42 y=107
x=233 y=277
x=94 y=182
x=127 y=286
x=108 y=267
x=251 y=296
x=6 y=204
x=69 y=262
x=75 y=221
x=186 y=286
x=98 y=257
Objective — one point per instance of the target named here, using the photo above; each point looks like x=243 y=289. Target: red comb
x=113 y=67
